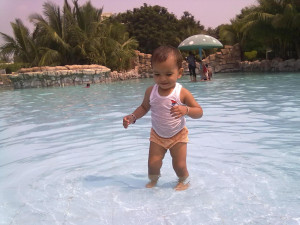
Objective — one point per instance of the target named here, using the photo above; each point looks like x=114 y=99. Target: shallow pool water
x=65 y=157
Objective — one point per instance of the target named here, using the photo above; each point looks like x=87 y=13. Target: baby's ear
x=180 y=72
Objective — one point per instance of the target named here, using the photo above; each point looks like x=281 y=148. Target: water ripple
x=66 y=159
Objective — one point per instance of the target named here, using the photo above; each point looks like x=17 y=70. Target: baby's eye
x=169 y=74
x=156 y=74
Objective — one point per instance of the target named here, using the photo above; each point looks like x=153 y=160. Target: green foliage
x=117 y=47
x=78 y=35
x=4 y=58
x=12 y=67
x=250 y=55
x=228 y=35
x=71 y=35
x=272 y=25
x=153 y=26
x=22 y=47
x=188 y=26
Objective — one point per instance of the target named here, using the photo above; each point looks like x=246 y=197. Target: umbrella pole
x=200 y=53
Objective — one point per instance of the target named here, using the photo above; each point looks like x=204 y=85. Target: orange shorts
x=167 y=143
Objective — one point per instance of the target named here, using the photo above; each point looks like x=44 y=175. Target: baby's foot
x=183 y=184
x=151 y=184
x=153 y=181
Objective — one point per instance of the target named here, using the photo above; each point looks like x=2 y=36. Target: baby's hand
x=178 y=111
x=129 y=119
x=126 y=121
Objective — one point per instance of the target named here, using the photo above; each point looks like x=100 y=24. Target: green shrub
x=13 y=67
x=250 y=55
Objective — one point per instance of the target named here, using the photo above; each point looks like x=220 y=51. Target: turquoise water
x=66 y=159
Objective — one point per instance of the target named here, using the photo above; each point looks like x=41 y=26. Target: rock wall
x=5 y=81
x=275 y=65
x=59 y=76
x=227 y=60
x=142 y=63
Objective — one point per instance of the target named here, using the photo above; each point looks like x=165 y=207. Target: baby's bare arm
x=140 y=111
x=194 y=109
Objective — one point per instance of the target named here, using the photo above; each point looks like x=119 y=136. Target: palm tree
x=51 y=34
x=80 y=36
x=275 y=24
x=117 y=47
x=288 y=22
x=228 y=35
x=124 y=51
x=73 y=35
x=22 y=46
x=88 y=31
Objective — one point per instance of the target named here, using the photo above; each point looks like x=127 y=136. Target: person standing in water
x=169 y=103
x=192 y=66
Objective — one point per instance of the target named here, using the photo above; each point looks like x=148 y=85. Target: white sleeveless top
x=163 y=123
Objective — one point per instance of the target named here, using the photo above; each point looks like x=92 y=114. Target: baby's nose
x=163 y=78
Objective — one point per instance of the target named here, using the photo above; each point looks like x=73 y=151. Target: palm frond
x=53 y=17
x=50 y=57
x=6 y=38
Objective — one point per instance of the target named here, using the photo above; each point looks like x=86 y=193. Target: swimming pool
x=65 y=157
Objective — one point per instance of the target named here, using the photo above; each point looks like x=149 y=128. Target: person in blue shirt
x=192 y=66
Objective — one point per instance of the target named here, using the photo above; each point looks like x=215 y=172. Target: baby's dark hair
x=161 y=54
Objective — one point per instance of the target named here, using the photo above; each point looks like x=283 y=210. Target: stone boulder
x=59 y=76
x=265 y=65
x=297 y=65
x=227 y=60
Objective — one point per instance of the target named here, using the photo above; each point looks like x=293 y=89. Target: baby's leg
x=178 y=153
x=156 y=155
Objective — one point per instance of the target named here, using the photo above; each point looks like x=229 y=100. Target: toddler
x=169 y=103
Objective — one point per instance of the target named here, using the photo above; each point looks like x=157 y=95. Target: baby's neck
x=165 y=92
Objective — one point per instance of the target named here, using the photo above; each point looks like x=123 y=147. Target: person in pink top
x=204 y=72
x=169 y=103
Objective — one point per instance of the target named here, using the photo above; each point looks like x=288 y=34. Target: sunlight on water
x=66 y=159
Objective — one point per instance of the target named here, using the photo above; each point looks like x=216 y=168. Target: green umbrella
x=200 y=41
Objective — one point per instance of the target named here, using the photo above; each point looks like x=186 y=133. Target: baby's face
x=166 y=73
